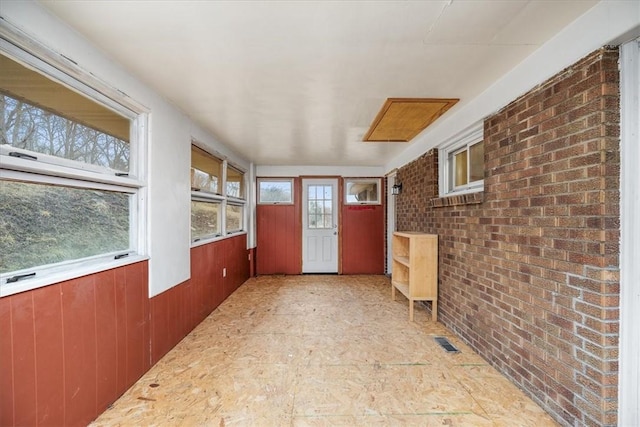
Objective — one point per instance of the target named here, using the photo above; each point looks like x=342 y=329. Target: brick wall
x=529 y=267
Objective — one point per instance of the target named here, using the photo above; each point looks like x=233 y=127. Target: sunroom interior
x=206 y=207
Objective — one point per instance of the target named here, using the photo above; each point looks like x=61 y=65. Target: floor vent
x=444 y=343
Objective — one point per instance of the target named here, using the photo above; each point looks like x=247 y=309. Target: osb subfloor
x=319 y=351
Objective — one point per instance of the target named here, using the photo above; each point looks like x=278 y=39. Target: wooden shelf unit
x=414 y=271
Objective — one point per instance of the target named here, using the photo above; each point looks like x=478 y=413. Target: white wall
x=608 y=22
x=346 y=171
x=171 y=132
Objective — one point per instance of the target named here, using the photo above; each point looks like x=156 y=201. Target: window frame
x=220 y=198
x=242 y=219
x=243 y=188
x=220 y=177
x=378 y=181
x=197 y=197
x=447 y=150
x=52 y=170
x=267 y=179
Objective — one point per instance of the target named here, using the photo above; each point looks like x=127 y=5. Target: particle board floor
x=320 y=351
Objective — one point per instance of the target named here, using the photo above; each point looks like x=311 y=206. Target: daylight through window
x=275 y=191
x=68 y=190
x=362 y=191
x=214 y=214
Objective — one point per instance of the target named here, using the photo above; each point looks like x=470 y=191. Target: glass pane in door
x=320 y=215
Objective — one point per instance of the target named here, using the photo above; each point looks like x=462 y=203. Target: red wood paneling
x=75 y=347
x=24 y=358
x=175 y=312
x=252 y=262
x=223 y=260
x=213 y=276
x=69 y=350
x=159 y=327
x=49 y=355
x=237 y=261
x=107 y=346
x=362 y=234
x=121 y=330
x=6 y=364
x=80 y=342
x=279 y=238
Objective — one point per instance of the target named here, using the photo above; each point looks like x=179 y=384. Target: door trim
x=336 y=182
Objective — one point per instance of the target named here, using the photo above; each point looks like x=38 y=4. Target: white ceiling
x=299 y=82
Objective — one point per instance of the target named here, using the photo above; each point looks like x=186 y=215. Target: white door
x=319 y=225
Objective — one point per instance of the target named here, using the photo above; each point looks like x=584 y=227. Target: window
x=462 y=164
x=358 y=191
x=234 y=218
x=206 y=171
x=466 y=166
x=214 y=214
x=235 y=183
x=205 y=219
x=275 y=191
x=71 y=179
x=320 y=207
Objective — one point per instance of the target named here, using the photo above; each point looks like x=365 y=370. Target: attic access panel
x=401 y=119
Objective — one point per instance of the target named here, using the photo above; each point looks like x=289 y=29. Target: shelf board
x=403 y=287
x=404 y=260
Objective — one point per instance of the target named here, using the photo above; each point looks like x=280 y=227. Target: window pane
x=476 y=153
x=205 y=171
x=327 y=207
x=275 y=191
x=234 y=218
x=43 y=116
x=312 y=192
x=45 y=224
x=327 y=192
x=235 y=183
x=460 y=168
x=319 y=206
x=311 y=213
x=205 y=219
x=362 y=191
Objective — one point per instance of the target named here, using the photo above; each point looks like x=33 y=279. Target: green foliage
x=43 y=224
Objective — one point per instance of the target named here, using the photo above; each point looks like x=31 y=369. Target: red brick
x=529 y=270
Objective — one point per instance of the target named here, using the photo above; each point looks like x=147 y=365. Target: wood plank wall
x=279 y=236
x=362 y=234
x=69 y=350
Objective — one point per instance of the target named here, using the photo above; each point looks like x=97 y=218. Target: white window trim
x=363 y=180
x=629 y=373
x=206 y=197
x=197 y=197
x=52 y=170
x=220 y=198
x=227 y=164
x=468 y=137
x=266 y=179
x=242 y=229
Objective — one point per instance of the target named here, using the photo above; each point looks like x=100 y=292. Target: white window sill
x=478 y=189
x=49 y=278
x=216 y=239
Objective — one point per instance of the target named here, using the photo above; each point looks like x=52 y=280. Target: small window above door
x=275 y=191
x=359 y=191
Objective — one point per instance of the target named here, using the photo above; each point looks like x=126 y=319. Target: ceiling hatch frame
x=401 y=119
